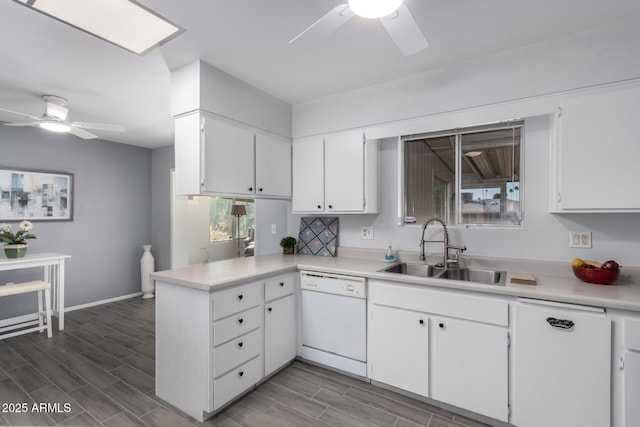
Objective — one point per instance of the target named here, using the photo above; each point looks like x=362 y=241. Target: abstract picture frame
x=35 y=195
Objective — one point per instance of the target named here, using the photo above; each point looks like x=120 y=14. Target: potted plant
x=288 y=243
x=15 y=245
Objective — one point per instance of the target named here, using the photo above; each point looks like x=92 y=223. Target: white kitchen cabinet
x=561 y=366
x=221 y=157
x=273 y=166
x=398 y=348
x=595 y=156
x=631 y=372
x=280 y=330
x=449 y=346
x=337 y=173
x=469 y=366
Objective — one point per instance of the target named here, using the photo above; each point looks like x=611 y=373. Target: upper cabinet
x=337 y=173
x=594 y=159
x=218 y=156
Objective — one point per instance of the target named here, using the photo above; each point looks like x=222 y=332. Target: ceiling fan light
x=53 y=126
x=374 y=8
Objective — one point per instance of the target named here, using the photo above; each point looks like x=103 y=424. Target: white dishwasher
x=334 y=321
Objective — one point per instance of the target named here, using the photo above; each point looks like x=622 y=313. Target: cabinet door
x=308 y=175
x=279 y=333
x=344 y=172
x=398 y=348
x=273 y=166
x=228 y=158
x=631 y=388
x=561 y=366
x=187 y=154
x=470 y=366
x=598 y=154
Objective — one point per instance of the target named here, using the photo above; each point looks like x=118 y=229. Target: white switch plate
x=366 y=233
x=579 y=239
x=274 y=229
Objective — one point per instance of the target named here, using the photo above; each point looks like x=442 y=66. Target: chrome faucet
x=446 y=260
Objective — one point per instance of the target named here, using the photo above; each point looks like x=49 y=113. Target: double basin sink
x=475 y=275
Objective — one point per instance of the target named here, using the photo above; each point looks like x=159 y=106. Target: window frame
x=457 y=183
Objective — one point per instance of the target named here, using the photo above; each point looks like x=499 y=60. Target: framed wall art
x=35 y=195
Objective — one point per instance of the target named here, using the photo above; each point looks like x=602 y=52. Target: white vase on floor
x=147 y=264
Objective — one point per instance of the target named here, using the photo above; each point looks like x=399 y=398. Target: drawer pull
x=241 y=373
x=281 y=284
x=269 y=309
x=240 y=297
x=560 y=323
x=441 y=325
x=240 y=344
x=240 y=320
x=421 y=321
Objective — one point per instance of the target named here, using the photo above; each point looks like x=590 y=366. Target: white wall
x=527 y=82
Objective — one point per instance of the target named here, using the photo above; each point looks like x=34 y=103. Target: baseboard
x=104 y=301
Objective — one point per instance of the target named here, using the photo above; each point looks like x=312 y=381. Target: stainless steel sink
x=475 y=275
x=415 y=269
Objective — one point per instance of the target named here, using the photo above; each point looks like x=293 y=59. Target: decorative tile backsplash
x=318 y=236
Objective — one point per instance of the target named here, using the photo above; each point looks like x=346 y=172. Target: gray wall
x=162 y=161
x=112 y=207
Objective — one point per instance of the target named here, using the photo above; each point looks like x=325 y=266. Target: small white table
x=53 y=264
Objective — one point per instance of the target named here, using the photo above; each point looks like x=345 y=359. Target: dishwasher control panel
x=337 y=284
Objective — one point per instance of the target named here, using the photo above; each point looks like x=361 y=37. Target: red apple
x=610 y=265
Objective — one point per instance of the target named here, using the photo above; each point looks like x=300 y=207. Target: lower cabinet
x=446 y=345
x=212 y=347
x=398 y=352
x=562 y=365
x=631 y=372
x=470 y=366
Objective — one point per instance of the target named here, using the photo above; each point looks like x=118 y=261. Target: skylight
x=124 y=23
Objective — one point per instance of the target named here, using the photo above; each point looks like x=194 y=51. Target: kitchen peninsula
x=215 y=332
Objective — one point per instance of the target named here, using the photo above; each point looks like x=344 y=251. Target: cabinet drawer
x=632 y=334
x=235 y=382
x=466 y=306
x=236 y=352
x=278 y=287
x=236 y=325
x=234 y=300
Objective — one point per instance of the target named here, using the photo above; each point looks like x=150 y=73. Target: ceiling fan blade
x=334 y=19
x=81 y=133
x=20 y=114
x=23 y=124
x=99 y=126
x=404 y=31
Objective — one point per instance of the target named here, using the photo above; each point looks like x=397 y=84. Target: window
x=222 y=225
x=468 y=176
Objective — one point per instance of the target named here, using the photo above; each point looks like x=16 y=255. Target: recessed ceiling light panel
x=124 y=23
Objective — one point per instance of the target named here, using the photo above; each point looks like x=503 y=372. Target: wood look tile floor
x=100 y=372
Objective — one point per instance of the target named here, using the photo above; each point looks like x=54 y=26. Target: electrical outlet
x=579 y=239
x=366 y=233
x=274 y=229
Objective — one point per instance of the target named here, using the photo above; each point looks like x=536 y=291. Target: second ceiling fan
x=394 y=15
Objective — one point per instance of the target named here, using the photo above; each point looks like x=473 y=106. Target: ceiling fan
x=54 y=119
x=394 y=15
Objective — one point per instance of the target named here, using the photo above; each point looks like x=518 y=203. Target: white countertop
x=555 y=281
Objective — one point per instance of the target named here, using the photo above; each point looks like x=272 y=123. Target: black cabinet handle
x=260 y=189
x=241 y=373
x=240 y=320
x=330 y=206
x=240 y=296
x=441 y=325
x=421 y=321
x=560 y=323
x=250 y=188
x=240 y=344
x=319 y=206
x=281 y=284
x=269 y=309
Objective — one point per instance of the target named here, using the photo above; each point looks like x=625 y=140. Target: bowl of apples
x=604 y=273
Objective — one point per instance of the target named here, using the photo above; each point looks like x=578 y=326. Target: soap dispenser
x=389 y=257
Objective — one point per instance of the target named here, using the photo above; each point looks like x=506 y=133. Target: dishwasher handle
x=560 y=323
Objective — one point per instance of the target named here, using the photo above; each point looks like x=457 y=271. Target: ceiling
x=249 y=39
